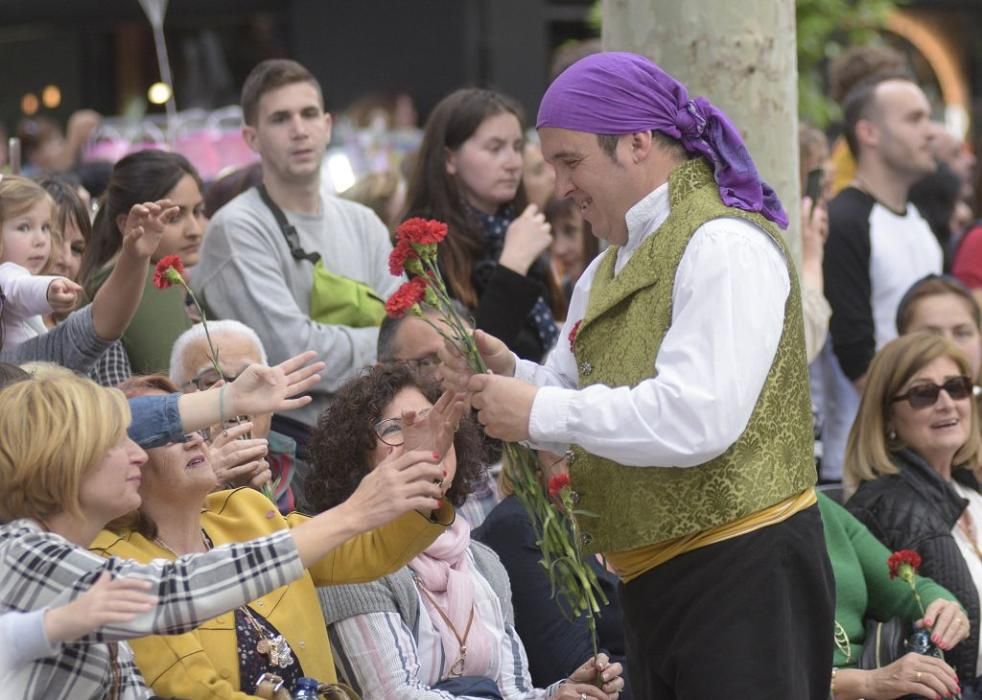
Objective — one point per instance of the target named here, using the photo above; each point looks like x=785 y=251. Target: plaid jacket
x=39 y=569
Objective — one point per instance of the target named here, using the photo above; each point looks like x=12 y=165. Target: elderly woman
x=224 y=657
x=910 y=452
x=60 y=491
x=443 y=626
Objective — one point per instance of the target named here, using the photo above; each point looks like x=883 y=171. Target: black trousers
x=750 y=617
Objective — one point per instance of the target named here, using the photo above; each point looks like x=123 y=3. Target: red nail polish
x=436 y=455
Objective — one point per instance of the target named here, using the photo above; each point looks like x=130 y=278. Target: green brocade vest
x=616 y=345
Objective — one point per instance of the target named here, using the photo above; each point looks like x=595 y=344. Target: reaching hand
x=63 y=295
x=435 y=430
x=258 y=389
x=107 y=601
x=145 y=226
x=402 y=482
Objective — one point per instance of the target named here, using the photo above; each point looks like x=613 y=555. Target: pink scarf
x=443 y=572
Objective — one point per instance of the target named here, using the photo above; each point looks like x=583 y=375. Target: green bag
x=342 y=301
x=334 y=299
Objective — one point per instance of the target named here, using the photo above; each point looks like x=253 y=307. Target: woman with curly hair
x=444 y=622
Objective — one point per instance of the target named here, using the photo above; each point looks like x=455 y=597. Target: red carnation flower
x=406 y=297
x=904 y=563
x=401 y=253
x=572 y=335
x=169 y=271
x=421 y=231
x=557 y=484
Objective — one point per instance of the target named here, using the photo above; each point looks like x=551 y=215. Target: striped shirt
x=387 y=657
x=43 y=569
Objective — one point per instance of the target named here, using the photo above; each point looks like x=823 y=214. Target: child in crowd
x=25 y=246
x=27 y=636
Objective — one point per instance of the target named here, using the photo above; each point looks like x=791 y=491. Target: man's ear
x=329 y=122
x=250 y=137
x=867 y=133
x=641 y=145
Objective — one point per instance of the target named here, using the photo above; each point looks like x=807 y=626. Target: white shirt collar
x=643 y=219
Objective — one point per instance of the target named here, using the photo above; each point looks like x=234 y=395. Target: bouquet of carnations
x=553 y=509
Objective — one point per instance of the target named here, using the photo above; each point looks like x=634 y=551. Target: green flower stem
x=556 y=528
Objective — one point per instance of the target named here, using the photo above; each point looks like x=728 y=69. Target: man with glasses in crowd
x=241 y=456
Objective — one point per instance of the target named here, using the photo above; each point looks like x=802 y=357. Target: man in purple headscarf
x=681 y=383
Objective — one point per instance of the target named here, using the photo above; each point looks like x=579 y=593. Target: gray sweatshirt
x=246 y=273
x=73 y=343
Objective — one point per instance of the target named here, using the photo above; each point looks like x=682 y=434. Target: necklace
x=841 y=639
x=274 y=647
x=457 y=667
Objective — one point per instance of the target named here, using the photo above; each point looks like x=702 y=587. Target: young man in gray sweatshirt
x=247 y=271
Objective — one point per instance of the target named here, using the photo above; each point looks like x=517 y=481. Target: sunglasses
x=925 y=395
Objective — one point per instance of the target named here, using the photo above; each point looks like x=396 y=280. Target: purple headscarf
x=623 y=93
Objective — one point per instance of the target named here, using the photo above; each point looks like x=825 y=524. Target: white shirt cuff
x=549 y=417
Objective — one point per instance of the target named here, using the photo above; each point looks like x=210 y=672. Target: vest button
x=586 y=538
x=585 y=368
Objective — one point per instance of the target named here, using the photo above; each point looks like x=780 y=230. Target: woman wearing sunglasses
x=911 y=452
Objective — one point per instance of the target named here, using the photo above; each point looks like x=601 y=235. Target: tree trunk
x=740 y=55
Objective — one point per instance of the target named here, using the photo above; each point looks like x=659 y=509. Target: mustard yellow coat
x=204 y=663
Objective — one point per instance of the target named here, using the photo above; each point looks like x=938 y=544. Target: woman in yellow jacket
x=282 y=632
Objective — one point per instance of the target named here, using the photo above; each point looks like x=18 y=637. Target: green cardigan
x=161 y=317
x=862 y=582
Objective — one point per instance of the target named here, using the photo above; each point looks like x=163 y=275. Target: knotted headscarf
x=624 y=93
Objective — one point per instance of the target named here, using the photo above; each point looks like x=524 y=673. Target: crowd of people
x=220 y=488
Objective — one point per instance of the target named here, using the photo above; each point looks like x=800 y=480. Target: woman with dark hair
x=468 y=173
x=162 y=316
x=443 y=626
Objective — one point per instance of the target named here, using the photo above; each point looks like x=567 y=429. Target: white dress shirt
x=727 y=317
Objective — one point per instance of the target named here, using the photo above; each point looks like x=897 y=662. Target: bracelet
x=832 y=684
x=221 y=405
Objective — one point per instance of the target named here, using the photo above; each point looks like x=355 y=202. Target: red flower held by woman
x=406 y=297
x=557 y=484
x=904 y=563
x=169 y=271
x=421 y=231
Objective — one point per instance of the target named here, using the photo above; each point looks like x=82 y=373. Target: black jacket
x=916 y=509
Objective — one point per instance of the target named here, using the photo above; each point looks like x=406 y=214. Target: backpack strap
x=289 y=231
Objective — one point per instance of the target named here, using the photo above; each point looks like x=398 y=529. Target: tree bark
x=740 y=55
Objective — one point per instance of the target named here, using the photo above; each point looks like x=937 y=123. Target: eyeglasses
x=925 y=395
x=426 y=363
x=389 y=430
x=207 y=379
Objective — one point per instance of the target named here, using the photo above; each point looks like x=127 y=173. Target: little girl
x=25 y=245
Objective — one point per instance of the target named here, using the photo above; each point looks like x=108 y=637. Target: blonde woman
x=910 y=452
